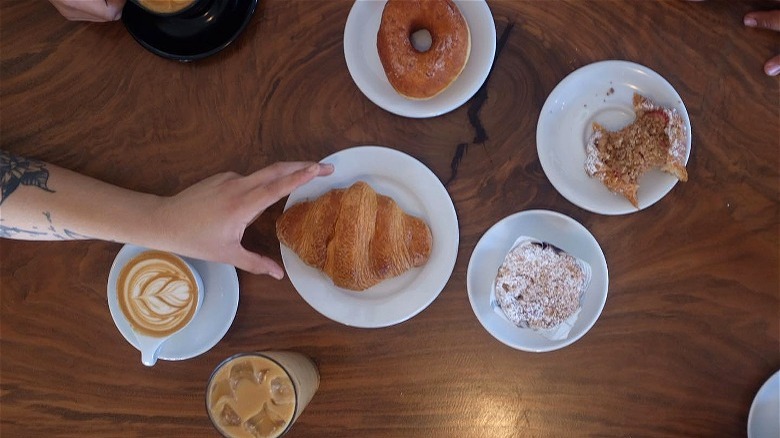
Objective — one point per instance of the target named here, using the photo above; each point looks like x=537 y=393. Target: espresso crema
x=165 y=6
x=158 y=293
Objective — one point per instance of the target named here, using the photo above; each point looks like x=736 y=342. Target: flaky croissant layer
x=356 y=236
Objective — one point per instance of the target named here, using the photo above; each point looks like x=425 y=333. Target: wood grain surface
x=691 y=327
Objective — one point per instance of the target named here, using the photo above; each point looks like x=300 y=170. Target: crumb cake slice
x=655 y=139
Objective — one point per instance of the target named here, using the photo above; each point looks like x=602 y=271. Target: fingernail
x=276 y=272
x=326 y=166
x=772 y=70
x=750 y=22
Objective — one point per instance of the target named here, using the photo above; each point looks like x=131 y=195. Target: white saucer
x=601 y=92
x=212 y=321
x=557 y=229
x=418 y=192
x=764 y=416
x=367 y=72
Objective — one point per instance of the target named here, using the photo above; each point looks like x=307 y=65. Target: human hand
x=766 y=20
x=90 y=10
x=208 y=219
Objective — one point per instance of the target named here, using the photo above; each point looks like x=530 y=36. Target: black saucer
x=187 y=38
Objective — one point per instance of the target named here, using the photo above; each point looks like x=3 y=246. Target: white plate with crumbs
x=362 y=59
x=600 y=92
x=418 y=192
x=547 y=226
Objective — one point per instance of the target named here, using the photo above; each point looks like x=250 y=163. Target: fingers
x=257 y=264
x=326 y=169
x=289 y=177
x=284 y=185
x=89 y=10
x=766 y=20
x=763 y=19
x=772 y=67
x=113 y=10
x=282 y=169
x=118 y=5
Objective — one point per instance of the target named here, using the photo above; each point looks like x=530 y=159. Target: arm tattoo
x=35 y=233
x=14 y=232
x=66 y=233
x=15 y=171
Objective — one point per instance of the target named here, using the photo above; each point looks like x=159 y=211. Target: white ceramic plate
x=764 y=416
x=557 y=229
x=418 y=192
x=367 y=72
x=601 y=92
x=220 y=302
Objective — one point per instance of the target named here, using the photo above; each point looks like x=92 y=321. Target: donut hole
x=421 y=40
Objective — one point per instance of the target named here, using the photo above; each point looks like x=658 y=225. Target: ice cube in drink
x=242 y=371
x=228 y=416
x=282 y=391
x=265 y=423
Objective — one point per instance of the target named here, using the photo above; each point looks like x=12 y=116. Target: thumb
x=763 y=19
x=257 y=264
x=772 y=67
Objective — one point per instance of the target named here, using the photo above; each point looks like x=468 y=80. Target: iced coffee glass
x=260 y=395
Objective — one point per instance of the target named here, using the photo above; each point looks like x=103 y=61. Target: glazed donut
x=415 y=74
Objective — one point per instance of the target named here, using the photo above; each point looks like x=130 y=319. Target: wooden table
x=690 y=329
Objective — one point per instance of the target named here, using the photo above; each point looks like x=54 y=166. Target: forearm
x=205 y=221
x=45 y=202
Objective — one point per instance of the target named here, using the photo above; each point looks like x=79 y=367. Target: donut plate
x=363 y=60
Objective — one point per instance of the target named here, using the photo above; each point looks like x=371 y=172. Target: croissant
x=356 y=236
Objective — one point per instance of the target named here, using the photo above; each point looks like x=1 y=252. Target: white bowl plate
x=548 y=226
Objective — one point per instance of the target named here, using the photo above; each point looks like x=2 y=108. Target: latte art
x=158 y=293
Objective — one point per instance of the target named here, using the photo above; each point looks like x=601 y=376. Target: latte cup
x=159 y=294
